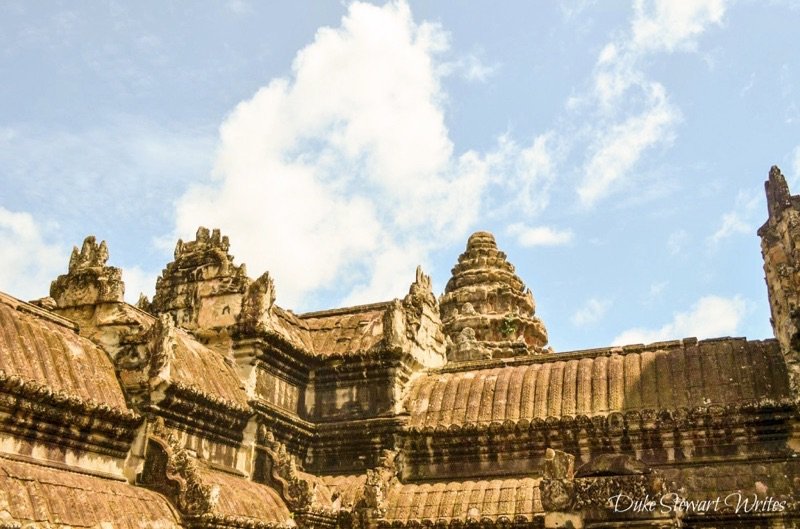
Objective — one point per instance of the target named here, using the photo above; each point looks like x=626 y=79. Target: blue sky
x=616 y=150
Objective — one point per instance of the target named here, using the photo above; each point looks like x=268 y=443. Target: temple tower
x=486 y=309
x=780 y=247
x=202 y=289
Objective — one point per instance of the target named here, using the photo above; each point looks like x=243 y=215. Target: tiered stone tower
x=202 y=289
x=486 y=309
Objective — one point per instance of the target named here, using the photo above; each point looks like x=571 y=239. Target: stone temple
x=212 y=407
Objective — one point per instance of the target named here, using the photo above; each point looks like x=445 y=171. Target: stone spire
x=89 y=280
x=486 y=309
x=780 y=248
x=201 y=288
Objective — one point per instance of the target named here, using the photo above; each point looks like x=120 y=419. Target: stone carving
x=467 y=347
x=298 y=492
x=557 y=494
x=558 y=464
x=379 y=480
x=88 y=281
x=153 y=351
x=257 y=303
x=202 y=287
x=194 y=497
x=613 y=465
x=485 y=295
x=412 y=324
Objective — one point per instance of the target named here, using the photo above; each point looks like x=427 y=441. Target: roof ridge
x=355 y=309
x=33 y=310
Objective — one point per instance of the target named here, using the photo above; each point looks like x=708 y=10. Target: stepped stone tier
x=486 y=309
x=213 y=407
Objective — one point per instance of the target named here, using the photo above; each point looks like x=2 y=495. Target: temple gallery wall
x=210 y=406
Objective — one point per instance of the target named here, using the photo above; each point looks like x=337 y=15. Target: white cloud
x=634 y=114
x=731 y=225
x=476 y=70
x=471 y=68
x=28 y=262
x=349 y=162
x=669 y=25
x=620 y=147
x=592 y=311
x=239 y=7
x=709 y=317
x=740 y=220
x=539 y=235
x=138 y=281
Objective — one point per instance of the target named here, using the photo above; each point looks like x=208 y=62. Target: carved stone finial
x=256 y=303
x=143 y=303
x=778 y=196
x=413 y=325
x=421 y=291
x=379 y=480
x=88 y=280
x=151 y=356
x=485 y=295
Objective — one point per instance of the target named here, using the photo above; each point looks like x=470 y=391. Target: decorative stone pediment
x=172 y=470
x=413 y=325
x=282 y=473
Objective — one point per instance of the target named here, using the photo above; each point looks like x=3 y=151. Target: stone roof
x=245 y=500
x=209 y=371
x=43 y=348
x=345 y=331
x=35 y=494
x=513 y=499
x=671 y=375
x=346 y=487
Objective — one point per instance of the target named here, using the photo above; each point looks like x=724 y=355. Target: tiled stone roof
x=198 y=366
x=680 y=374
x=345 y=331
x=464 y=501
x=46 y=349
x=47 y=497
x=243 y=499
x=347 y=487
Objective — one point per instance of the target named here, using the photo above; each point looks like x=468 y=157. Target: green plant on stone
x=509 y=326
